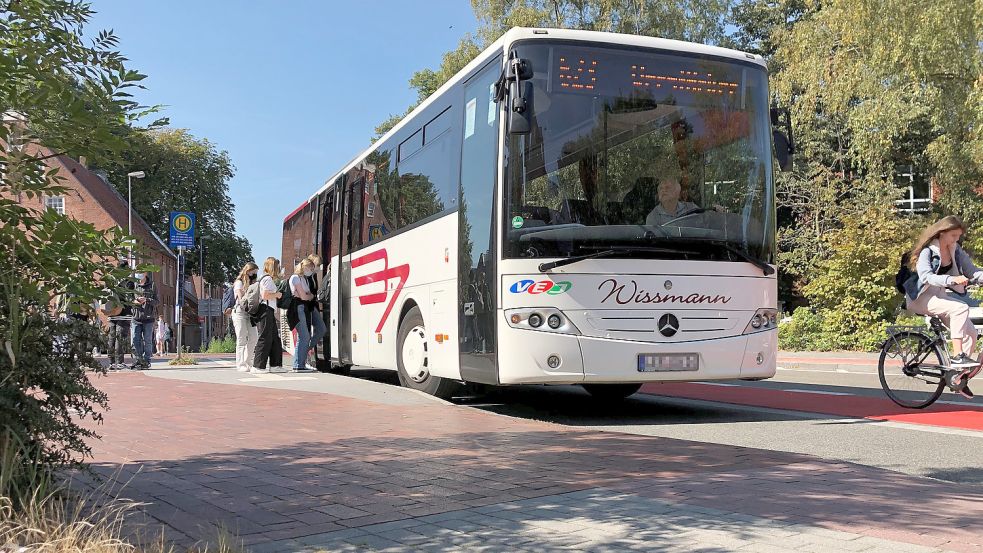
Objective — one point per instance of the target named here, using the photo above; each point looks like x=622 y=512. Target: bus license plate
x=668 y=362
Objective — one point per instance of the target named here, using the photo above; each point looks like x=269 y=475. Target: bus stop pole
x=180 y=297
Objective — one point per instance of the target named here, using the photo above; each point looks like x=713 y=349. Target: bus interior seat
x=577 y=211
x=535 y=215
x=640 y=201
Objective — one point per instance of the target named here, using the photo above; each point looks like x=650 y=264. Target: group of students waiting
x=258 y=342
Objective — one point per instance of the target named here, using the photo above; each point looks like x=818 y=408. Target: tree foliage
x=874 y=87
x=184 y=173
x=71 y=96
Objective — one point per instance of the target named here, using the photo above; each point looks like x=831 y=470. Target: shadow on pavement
x=312 y=487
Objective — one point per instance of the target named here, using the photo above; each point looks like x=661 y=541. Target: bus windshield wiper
x=728 y=247
x=543 y=267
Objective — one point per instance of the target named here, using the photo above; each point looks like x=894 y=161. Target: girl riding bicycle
x=939 y=289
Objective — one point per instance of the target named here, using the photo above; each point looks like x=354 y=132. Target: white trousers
x=246 y=337
x=955 y=314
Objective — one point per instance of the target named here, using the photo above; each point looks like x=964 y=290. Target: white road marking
x=717 y=384
x=836 y=370
x=817 y=392
x=261 y=377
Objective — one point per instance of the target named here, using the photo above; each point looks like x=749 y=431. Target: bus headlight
x=762 y=320
x=532 y=318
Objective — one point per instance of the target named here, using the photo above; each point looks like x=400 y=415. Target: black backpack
x=904 y=273
x=285 y=301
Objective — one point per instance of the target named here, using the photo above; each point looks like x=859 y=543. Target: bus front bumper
x=584 y=359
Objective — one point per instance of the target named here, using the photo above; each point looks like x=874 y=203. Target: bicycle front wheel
x=910 y=369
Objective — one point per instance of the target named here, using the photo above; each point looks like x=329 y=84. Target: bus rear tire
x=412 y=359
x=611 y=392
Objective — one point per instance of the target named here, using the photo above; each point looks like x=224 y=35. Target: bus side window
x=426 y=183
x=383 y=195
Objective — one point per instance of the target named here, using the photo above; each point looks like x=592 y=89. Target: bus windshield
x=655 y=154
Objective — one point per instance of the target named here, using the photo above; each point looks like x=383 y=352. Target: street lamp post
x=129 y=205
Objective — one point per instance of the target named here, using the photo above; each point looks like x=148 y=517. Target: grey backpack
x=253 y=299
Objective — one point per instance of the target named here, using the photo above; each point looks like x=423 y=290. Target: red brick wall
x=298 y=238
x=94 y=201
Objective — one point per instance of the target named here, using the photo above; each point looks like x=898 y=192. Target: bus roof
x=527 y=33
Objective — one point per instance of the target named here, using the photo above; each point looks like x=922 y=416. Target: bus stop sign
x=182 y=229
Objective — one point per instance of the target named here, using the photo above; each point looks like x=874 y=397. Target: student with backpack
x=938 y=271
x=320 y=288
x=246 y=333
x=299 y=316
x=262 y=302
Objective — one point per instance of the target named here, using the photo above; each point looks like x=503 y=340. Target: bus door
x=326 y=205
x=351 y=239
x=339 y=273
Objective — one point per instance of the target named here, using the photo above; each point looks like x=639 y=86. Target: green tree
x=852 y=290
x=71 y=96
x=874 y=85
x=184 y=173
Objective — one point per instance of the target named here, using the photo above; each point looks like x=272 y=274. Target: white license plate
x=668 y=362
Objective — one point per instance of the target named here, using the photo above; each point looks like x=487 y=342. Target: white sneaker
x=279 y=369
x=254 y=370
x=243 y=369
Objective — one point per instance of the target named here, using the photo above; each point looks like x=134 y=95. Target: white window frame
x=60 y=208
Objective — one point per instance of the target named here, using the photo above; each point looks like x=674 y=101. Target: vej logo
x=548 y=286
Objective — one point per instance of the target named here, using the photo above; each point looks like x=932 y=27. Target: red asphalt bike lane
x=857 y=406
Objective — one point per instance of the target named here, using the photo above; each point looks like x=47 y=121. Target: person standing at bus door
x=314 y=282
x=269 y=349
x=144 y=313
x=300 y=312
x=246 y=333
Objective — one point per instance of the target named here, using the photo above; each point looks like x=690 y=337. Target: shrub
x=852 y=295
x=222 y=345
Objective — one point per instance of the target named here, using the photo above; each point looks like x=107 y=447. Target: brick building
x=91 y=198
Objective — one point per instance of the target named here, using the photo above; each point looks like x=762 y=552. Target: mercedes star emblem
x=668 y=285
x=668 y=325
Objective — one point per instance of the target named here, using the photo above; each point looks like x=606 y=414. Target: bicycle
x=925 y=382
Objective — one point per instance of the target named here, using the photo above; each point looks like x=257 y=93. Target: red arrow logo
x=401 y=272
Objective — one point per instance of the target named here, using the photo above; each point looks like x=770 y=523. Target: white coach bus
x=573 y=207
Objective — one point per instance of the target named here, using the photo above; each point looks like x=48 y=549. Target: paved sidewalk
x=291 y=470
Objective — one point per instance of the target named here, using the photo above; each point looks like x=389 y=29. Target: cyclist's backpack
x=903 y=275
x=287 y=297
x=228 y=299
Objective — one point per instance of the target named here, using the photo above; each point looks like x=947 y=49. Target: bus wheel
x=413 y=359
x=611 y=392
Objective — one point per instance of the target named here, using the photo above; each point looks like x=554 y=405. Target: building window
x=917 y=196
x=56 y=203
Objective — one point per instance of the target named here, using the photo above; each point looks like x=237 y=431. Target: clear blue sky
x=292 y=90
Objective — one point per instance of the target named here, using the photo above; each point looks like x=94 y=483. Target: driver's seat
x=640 y=201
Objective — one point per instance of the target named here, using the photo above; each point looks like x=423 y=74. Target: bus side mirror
x=784 y=144
x=520 y=109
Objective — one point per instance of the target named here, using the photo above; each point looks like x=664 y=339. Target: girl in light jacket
x=944 y=269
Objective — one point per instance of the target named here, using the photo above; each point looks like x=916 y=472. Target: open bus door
x=325 y=218
x=339 y=327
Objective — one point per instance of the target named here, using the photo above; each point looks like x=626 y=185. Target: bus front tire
x=611 y=392
x=413 y=359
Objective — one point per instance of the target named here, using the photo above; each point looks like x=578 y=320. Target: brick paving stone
x=193 y=452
